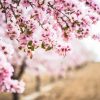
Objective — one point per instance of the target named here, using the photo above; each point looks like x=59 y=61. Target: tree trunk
x=52 y=79
x=60 y=77
x=38 y=83
x=15 y=96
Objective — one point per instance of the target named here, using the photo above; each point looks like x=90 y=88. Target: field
x=79 y=84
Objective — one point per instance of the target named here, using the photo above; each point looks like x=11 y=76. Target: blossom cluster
x=43 y=23
x=7 y=84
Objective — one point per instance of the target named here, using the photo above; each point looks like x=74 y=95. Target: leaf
x=31 y=48
x=29 y=43
x=43 y=45
x=48 y=48
x=79 y=30
x=65 y=28
x=17 y=16
x=77 y=22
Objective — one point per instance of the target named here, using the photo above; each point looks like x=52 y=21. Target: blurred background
x=49 y=76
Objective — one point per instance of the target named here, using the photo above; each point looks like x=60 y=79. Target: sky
x=93 y=45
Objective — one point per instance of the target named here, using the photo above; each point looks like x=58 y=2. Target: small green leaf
x=17 y=16
x=29 y=43
x=48 y=48
x=79 y=30
x=65 y=28
x=43 y=45
x=31 y=48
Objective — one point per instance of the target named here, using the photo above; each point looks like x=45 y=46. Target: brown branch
x=4 y=10
x=58 y=11
x=23 y=66
x=40 y=4
x=40 y=24
x=1 y=4
x=21 y=71
x=11 y=7
x=16 y=1
x=31 y=4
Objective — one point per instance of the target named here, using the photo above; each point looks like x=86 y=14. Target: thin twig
x=58 y=10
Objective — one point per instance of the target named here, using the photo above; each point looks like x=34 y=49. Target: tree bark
x=52 y=79
x=38 y=83
x=15 y=96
